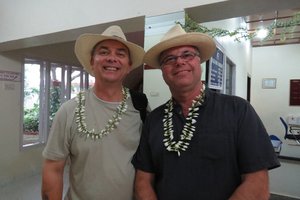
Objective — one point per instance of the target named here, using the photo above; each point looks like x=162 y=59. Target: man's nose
x=111 y=58
x=179 y=60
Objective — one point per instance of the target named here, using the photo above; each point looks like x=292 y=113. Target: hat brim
x=85 y=43
x=203 y=42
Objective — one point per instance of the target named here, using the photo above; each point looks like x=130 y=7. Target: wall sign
x=10 y=76
x=216 y=70
x=295 y=92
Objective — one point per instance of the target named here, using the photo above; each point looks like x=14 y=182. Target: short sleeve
x=57 y=147
x=255 y=151
x=142 y=159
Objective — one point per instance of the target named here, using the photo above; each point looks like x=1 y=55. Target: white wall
x=22 y=19
x=14 y=164
x=282 y=63
x=238 y=52
x=155 y=88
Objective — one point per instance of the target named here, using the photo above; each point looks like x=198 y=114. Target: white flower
x=111 y=123
x=188 y=129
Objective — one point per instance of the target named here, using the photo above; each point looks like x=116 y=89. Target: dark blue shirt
x=230 y=140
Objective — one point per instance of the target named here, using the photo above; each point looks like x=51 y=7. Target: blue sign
x=216 y=68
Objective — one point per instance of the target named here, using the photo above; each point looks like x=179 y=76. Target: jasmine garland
x=111 y=124
x=188 y=128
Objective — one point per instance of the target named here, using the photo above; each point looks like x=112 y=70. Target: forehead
x=177 y=49
x=111 y=44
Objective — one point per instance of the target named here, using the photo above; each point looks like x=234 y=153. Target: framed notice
x=216 y=70
x=10 y=76
x=269 y=83
x=295 y=92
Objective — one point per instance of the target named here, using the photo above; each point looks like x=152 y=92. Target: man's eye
x=103 y=52
x=121 y=54
x=187 y=55
x=170 y=59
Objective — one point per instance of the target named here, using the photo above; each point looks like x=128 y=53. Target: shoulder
x=69 y=105
x=156 y=113
x=225 y=99
x=67 y=108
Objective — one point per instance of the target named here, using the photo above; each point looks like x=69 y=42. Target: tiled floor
x=278 y=197
x=30 y=189
x=26 y=189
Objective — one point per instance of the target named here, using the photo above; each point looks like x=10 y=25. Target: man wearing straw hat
x=99 y=130
x=199 y=144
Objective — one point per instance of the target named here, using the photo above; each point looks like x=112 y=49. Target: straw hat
x=176 y=36
x=85 y=43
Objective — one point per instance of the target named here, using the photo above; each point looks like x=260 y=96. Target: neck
x=185 y=98
x=112 y=93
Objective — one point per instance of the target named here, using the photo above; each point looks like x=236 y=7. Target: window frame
x=44 y=95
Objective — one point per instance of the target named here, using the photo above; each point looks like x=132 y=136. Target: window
x=46 y=86
x=229 y=77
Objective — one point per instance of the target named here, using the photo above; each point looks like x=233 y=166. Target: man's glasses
x=186 y=56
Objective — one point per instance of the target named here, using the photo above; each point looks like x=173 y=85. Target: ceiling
x=58 y=46
x=256 y=13
x=282 y=36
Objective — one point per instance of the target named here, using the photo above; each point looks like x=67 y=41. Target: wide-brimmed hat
x=177 y=36
x=86 y=42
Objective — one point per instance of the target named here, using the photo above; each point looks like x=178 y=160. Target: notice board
x=295 y=92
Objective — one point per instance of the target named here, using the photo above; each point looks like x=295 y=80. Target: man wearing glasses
x=200 y=144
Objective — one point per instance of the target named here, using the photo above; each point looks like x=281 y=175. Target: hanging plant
x=242 y=33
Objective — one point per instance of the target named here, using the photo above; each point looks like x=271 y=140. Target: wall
x=282 y=63
x=238 y=52
x=33 y=17
x=14 y=164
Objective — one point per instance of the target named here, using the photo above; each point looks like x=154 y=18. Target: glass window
x=46 y=86
x=31 y=103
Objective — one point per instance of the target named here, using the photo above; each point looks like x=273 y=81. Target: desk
x=294 y=132
x=294 y=127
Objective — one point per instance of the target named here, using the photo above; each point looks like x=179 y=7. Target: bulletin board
x=295 y=92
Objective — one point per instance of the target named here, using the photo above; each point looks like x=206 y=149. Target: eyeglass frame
x=193 y=54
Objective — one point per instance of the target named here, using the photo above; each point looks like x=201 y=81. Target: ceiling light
x=262 y=33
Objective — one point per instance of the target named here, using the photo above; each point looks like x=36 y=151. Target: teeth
x=111 y=68
x=182 y=71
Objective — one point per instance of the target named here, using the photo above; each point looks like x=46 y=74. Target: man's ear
x=92 y=64
x=92 y=61
x=130 y=67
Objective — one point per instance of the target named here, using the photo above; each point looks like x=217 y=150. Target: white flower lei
x=111 y=124
x=188 y=128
